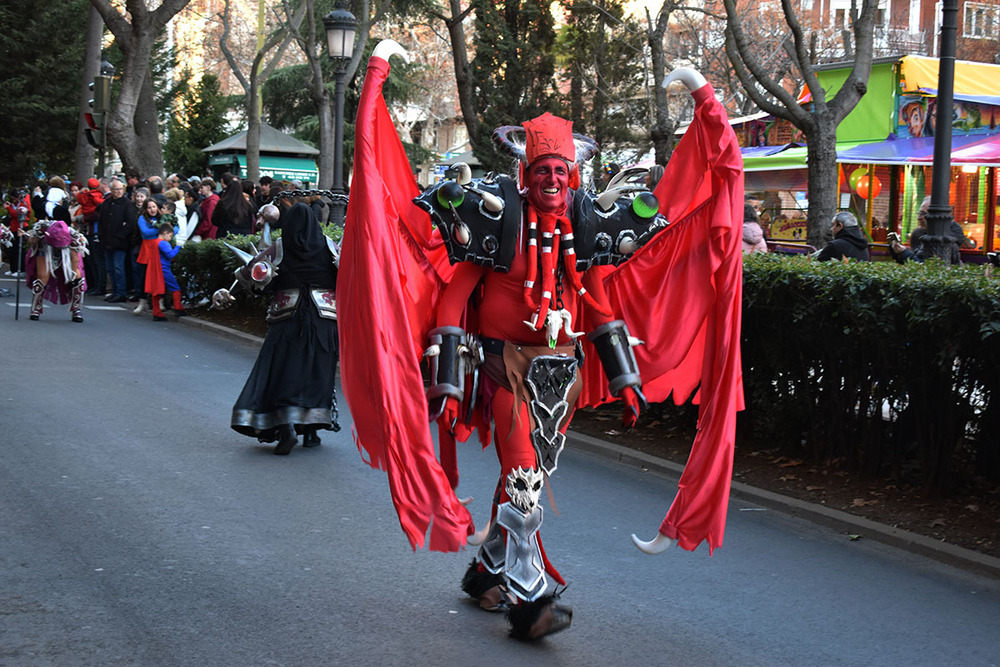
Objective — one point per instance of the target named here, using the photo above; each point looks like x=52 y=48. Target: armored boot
x=76 y=302
x=37 y=289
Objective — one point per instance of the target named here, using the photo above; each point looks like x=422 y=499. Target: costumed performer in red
x=502 y=289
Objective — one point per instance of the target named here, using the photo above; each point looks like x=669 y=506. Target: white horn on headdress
x=390 y=47
x=689 y=77
x=657 y=545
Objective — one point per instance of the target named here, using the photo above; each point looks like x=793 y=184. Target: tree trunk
x=91 y=66
x=662 y=130
x=134 y=132
x=463 y=74
x=823 y=184
x=132 y=126
x=253 y=128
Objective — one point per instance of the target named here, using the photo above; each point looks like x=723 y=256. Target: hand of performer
x=632 y=406
x=449 y=418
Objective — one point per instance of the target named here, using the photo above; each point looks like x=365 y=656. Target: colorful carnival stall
x=885 y=150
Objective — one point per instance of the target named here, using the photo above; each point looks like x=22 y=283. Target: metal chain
x=559 y=287
x=310 y=193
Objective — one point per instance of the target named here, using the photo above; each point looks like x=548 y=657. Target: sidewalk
x=848 y=524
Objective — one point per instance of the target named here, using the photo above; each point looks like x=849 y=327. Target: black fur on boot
x=475 y=583
x=489 y=589
x=524 y=616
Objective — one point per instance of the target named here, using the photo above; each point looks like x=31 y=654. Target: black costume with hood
x=293 y=381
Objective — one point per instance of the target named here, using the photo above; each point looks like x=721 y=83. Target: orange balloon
x=863 y=187
x=856 y=176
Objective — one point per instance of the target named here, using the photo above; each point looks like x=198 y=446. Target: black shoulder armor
x=479 y=221
x=610 y=237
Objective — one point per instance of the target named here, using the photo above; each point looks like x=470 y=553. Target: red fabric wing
x=392 y=270
x=681 y=293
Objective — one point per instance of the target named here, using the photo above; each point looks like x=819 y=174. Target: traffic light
x=96 y=131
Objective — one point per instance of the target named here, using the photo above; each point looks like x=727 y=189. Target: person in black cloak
x=291 y=390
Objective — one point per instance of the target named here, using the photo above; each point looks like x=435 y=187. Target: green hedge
x=892 y=369
x=887 y=369
x=202 y=268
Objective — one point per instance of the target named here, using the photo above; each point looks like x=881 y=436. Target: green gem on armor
x=645 y=205
x=450 y=194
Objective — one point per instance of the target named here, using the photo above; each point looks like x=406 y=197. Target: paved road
x=137 y=529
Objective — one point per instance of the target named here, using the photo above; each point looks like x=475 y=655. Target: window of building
x=981 y=21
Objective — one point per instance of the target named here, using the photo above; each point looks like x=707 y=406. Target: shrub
x=202 y=268
x=891 y=368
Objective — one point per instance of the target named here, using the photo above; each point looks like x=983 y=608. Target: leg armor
x=37 y=289
x=76 y=301
x=614 y=347
x=519 y=557
x=549 y=380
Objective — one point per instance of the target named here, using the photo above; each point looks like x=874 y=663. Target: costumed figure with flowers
x=53 y=266
x=291 y=390
x=530 y=297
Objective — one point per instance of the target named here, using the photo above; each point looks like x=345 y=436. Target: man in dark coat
x=118 y=218
x=917 y=253
x=848 y=241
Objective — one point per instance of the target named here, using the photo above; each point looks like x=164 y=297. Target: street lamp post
x=341 y=27
x=936 y=242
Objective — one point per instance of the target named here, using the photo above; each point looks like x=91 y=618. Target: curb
x=844 y=522
x=224 y=332
x=943 y=552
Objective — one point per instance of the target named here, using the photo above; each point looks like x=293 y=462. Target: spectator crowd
x=118 y=214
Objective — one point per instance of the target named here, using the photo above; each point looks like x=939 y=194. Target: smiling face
x=548 y=183
x=916 y=121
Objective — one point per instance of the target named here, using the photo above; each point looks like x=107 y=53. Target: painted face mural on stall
x=919 y=115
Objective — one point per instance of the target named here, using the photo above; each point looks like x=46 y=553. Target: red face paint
x=548 y=183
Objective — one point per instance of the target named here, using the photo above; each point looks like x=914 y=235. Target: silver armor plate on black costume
x=523 y=564
x=549 y=379
x=493 y=551
x=519 y=556
x=282 y=306
x=326 y=302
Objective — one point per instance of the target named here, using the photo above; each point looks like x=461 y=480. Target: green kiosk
x=282 y=157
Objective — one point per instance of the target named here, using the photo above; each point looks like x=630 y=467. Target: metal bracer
x=453 y=355
x=614 y=347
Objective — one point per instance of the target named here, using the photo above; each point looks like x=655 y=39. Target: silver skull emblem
x=524 y=486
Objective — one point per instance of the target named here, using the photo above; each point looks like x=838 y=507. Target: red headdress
x=546 y=136
x=549 y=136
